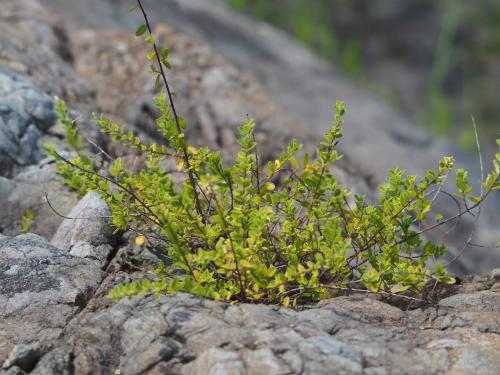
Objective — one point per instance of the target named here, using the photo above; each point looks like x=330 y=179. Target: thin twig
x=380 y=292
x=100 y=149
x=174 y=112
x=476 y=219
x=73 y=218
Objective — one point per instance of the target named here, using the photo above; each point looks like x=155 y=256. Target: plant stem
x=176 y=118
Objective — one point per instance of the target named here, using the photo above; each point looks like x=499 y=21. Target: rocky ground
x=55 y=317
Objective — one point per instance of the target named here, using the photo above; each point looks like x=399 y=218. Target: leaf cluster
x=286 y=232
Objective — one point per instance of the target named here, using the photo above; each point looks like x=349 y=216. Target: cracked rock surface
x=181 y=334
x=41 y=289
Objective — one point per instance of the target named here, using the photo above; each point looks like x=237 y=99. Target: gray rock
x=181 y=334
x=98 y=253
x=89 y=221
x=36 y=46
x=264 y=361
x=14 y=370
x=23 y=356
x=41 y=289
x=216 y=361
x=25 y=113
x=495 y=274
x=36 y=59
x=87 y=232
x=27 y=191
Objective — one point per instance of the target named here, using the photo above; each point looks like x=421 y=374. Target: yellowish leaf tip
x=269 y=186
x=180 y=165
x=140 y=240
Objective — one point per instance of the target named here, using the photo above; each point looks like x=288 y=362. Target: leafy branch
x=235 y=233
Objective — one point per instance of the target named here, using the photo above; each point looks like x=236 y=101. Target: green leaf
x=490 y=181
x=294 y=163
x=150 y=55
x=141 y=30
x=166 y=63
x=182 y=122
x=461 y=181
x=26 y=221
x=340 y=107
x=474 y=199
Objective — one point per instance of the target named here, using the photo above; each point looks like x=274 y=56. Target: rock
x=14 y=370
x=495 y=274
x=27 y=191
x=23 y=356
x=25 y=113
x=217 y=361
x=41 y=289
x=36 y=46
x=99 y=253
x=181 y=334
x=87 y=232
x=294 y=78
x=89 y=221
x=131 y=257
x=352 y=335
x=213 y=95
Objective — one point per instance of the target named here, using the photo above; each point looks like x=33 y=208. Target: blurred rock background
x=438 y=61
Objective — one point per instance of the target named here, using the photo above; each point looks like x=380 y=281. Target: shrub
x=235 y=233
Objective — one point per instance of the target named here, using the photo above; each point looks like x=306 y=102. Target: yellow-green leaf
x=140 y=240
x=269 y=186
x=141 y=30
x=180 y=165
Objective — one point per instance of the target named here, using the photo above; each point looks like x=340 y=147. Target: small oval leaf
x=141 y=30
